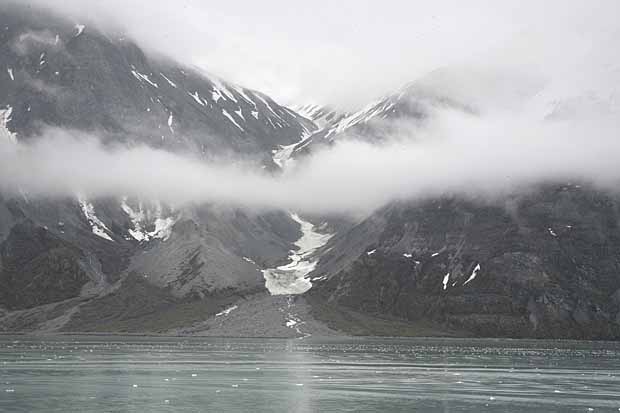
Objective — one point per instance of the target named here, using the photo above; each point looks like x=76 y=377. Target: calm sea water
x=150 y=374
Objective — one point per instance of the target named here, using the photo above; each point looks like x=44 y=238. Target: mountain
x=105 y=264
x=540 y=263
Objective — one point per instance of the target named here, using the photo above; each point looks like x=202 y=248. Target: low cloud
x=455 y=153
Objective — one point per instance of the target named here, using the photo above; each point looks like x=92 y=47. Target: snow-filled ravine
x=290 y=278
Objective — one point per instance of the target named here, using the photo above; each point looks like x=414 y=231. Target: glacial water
x=156 y=374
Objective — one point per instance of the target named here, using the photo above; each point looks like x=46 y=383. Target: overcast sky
x=348 y=52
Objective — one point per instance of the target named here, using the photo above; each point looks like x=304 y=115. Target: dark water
x=118 y=374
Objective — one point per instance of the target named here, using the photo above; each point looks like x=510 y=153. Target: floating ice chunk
x=371 y=252
x=11 y=75
x=446 y=279
x=97 y=226
x=473 y=274
x=80 y=29
x=227 y=311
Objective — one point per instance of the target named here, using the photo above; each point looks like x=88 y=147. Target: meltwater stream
x=156 y=374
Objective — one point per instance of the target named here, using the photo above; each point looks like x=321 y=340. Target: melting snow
x=290 y=278
x=97 y=226
x=170 y=120
x=11 y=75
x=473 y=274
x=282 y=156
x=230 y=118
x=170 y=82
x=80 y=29
x=220 y=89
x=163 y=226
x=142 y=77
x=446 y=279
x=227 y=311
x=5 y=118
x=197 y=98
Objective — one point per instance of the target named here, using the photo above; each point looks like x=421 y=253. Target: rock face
x=544 y=264
x=75 y=255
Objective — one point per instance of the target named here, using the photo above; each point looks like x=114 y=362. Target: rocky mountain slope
x=72 y=263
x=538 y=263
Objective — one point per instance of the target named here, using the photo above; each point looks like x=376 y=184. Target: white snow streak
x=227 y=311
x=230 y=118
x=97 y=226
x=290 y=278
x=473 y=274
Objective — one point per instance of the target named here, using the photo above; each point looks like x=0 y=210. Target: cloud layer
x=454 y=154
x=351 y=51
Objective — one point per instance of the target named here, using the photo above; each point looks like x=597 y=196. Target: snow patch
x=80 y=29
x=290 y=278
x=230 y=118
x=97 y=226
x=139 y=219
x=5 y=118
x=473 y=275
x=170 y=120
x=446 y=279
x=170 y=82
x=142 y=77
x=197 y=98
x=227 y=311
